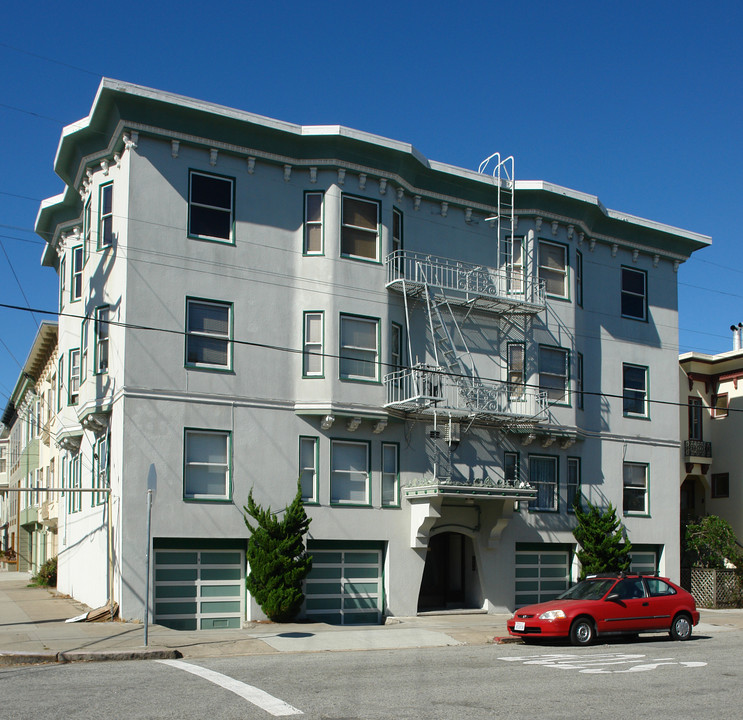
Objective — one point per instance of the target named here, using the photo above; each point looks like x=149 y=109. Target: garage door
x=199 y=589
x=541 y=574
x=345 y=585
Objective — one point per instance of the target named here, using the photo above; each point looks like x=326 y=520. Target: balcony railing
x=504 y=289
x=697 y=448
x=425 y=388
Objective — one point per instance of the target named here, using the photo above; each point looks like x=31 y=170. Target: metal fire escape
x=451 y=387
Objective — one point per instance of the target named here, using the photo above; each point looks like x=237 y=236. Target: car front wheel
x=582 y=632
x=680 y=627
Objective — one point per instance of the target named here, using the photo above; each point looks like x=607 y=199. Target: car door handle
x=645 y=604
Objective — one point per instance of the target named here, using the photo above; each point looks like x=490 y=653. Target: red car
x=610 y=604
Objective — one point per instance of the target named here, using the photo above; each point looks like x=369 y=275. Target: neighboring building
x=445 y=358
x=711 y=391
x=4 y=504
x=32 y=457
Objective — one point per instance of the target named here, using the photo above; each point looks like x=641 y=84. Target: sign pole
x=147 y=573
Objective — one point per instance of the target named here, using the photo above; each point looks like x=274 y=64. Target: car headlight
x=552 y=615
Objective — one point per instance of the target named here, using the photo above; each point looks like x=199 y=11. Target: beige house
x=30 y=527
x=711 y=394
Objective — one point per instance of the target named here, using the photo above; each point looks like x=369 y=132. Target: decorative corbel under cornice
x=327 y=422
x=555 y=228
x=353 y=424
x=362 y=181
x=251 y=165
x=379 y=426
x=341 y=176
x=213 y=156
x=444 y=209
x=417 y=202
x=175 y=148
x=382 y=186
x=313 y=175
x=287 y=173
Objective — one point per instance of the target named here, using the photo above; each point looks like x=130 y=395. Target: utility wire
x=334 y=356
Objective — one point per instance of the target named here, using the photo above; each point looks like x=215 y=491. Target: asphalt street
x=649 y=678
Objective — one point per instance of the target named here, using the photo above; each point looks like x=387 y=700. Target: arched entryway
x=450 y=579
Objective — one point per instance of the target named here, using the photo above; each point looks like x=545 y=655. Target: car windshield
x=588 y=589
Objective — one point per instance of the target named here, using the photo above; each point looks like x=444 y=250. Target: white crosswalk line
x=253 y=695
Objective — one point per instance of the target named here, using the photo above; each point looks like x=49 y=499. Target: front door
x=443 y=584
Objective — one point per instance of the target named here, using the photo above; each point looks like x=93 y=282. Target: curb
x=8 y=658
x=507 y=640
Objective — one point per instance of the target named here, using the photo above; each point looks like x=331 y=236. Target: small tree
x=278 y=560
x=602 y=538
x=711 y=542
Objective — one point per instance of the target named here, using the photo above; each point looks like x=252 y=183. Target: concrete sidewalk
x=33 y=630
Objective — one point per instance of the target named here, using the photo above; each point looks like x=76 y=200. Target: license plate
x=519 y=626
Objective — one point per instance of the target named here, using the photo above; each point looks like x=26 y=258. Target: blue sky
x=638 y=103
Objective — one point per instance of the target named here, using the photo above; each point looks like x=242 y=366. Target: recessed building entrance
x=450 y=579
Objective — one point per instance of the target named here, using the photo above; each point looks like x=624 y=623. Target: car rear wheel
x=680 y=627
x=582 y=631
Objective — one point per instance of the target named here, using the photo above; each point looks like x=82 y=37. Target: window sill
x=220 y=501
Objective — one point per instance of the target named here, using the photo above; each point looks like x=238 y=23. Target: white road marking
x=600 y=663
x=253 y=695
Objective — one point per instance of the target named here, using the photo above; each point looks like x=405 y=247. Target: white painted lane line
x=253 y=695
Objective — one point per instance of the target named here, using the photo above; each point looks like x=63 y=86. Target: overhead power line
x=335 y=356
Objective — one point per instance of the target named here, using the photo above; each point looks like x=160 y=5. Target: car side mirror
x=614 y=597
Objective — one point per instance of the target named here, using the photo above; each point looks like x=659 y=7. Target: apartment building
x=444 y=357
x=30 y=529
x=710 y=428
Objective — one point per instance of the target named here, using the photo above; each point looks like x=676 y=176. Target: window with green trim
x=516 y=368
x=309 y=468
x=512 y=261
x=359 y=348
x=210 y=206
x=101 y=338
x=553 y=373
x=635 y=500
x=634 y=294
x=73 y=381
x=87 y=217
x=76 y=283
x=74 y=499
x=573 y=484
x=62 y=281
x=208 y=334
x=100 y=470
x=553 y=268
x=635 y=390
x=390 y=475
x=511 y=470
x=207 y=465
x=359 y=228
x=313 y=361
x=105 y=216
x=60 y=382
x=579 y=278
x=313 y=211
x=349 y=472
x=543 y=476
